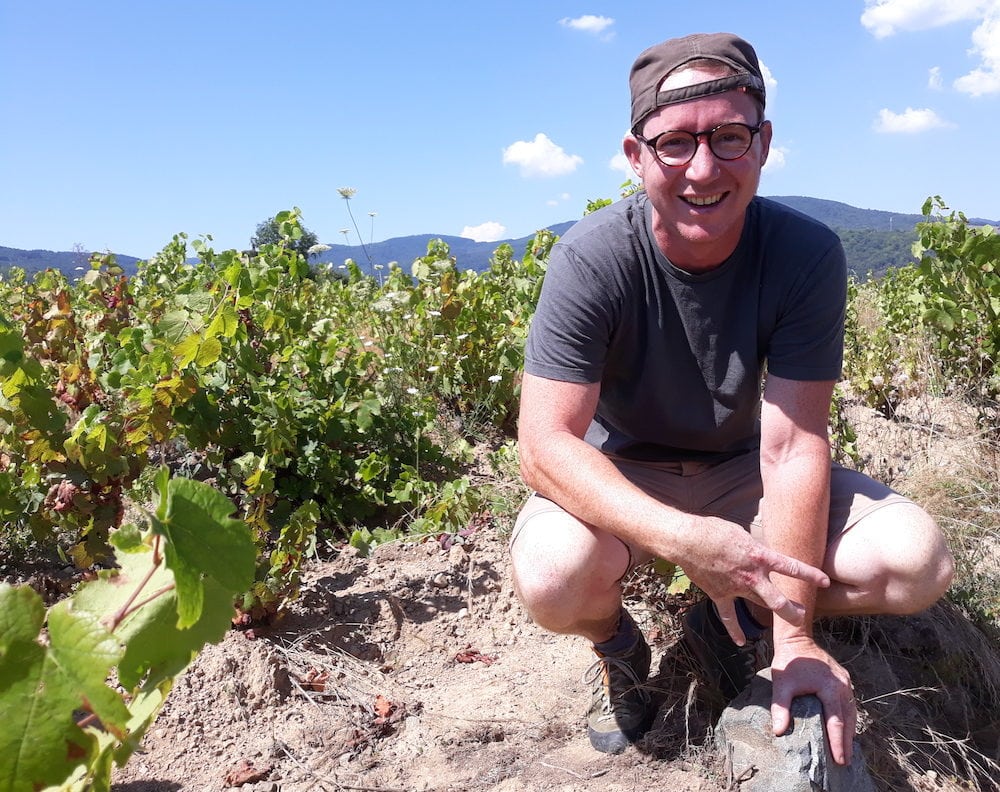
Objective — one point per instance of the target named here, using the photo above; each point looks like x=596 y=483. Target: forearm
x=795 y=517
x=584 y=482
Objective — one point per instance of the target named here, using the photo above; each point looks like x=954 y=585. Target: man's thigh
x=731 y=490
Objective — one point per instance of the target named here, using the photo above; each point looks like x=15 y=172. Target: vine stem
x=129 y=607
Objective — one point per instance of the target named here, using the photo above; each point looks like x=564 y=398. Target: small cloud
x=540 y=157
x=489 y=231
x=984 y=79
x=770 y=84
x=886 y=17
x=979 y=82
x=910 y=121
x=620 y=162
x=934 y=81
x=775 y=159
x=561 y=199
x=588 y=23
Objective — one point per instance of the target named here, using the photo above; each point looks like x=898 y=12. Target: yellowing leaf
x=209 y=352
x=186 y=351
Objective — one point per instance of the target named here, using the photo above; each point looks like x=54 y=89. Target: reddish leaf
x=470 y=655
x=246 y=773
x=383 y=707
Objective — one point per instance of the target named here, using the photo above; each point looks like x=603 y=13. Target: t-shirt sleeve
x=570 y=331
x=808 y=339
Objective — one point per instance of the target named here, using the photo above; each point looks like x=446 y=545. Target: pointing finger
x=788 y=610
x=792 y=567
x=727 y=615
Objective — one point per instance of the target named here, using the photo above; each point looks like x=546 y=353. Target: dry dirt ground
x=416 y=669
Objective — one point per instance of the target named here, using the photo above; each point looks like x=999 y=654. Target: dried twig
x=595 y=774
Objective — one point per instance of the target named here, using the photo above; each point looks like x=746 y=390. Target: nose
x=703 y=165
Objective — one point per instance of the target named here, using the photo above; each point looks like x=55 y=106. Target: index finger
x=772 y=597
x=792 y=567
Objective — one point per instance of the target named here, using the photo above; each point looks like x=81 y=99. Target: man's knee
x=560 y=566
x=914 y=557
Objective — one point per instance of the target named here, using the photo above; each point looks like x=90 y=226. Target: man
x=645 y=431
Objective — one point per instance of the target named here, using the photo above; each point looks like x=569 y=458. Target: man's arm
x=718 y=556
x=795 y=470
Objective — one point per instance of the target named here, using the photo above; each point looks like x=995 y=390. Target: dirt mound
x=416 y=669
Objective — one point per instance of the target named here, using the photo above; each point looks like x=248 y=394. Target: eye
x=674 y=142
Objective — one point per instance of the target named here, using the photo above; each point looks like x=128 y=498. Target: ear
x=633 y=153
x=766 y=132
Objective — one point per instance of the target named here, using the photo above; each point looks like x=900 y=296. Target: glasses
x=677 y=147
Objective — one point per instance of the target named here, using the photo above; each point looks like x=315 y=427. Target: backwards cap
x=660 y=60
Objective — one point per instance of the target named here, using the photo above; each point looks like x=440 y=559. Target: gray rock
x=797 y=761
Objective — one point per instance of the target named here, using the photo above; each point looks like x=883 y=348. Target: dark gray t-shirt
x=680 y=357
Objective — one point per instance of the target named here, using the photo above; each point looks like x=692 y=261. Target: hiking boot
x=725 y=666
x=619 y=706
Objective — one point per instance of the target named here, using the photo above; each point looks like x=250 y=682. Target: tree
x=269 y=233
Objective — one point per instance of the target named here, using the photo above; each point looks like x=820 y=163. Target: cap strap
x=721 y=85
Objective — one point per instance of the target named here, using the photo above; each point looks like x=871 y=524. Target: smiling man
x=677 y=386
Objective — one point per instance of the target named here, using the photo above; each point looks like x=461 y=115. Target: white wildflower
x=495 y=378
x=432 y=369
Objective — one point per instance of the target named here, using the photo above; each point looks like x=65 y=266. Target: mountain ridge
x=874 y=240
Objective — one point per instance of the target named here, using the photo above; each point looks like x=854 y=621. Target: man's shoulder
x=624 y=217
x=771 y=215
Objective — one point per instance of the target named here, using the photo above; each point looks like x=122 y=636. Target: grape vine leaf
x=204 y=543
x=155 y=648
x=40 y=684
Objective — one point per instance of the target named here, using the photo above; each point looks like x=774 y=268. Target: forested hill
x=874 y=240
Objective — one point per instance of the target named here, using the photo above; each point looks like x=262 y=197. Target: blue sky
x=123 y=123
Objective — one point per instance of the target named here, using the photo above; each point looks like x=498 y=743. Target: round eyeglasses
x=677 y=147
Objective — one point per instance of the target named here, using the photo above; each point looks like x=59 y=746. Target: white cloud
x=561 y=199
x=770 y=84
x=775 y=159
x=934 y=81
x=620 y=162
x=887 y=17
x=984 y=79
x=489 y=231
x=588 y=23
x=540 y=157
x=910 y=121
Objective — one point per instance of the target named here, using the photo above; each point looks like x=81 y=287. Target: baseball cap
x=658 y=61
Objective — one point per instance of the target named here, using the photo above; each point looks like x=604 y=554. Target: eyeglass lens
x=727 y=142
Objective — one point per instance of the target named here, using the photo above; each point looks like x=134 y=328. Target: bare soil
x=417 y=669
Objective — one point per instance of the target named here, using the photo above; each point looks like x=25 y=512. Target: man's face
x=698 y=208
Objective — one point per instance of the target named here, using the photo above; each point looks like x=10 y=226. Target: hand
x=725 y=562
x=801 y=667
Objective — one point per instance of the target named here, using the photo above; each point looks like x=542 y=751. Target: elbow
x=529 y=466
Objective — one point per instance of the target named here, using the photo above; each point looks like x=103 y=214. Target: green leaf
x=187 y=350
x=175 y=325
x=224 y=323
x=40 y=743
x=11 y=346
x=204 y=543
x=155 y=648
x=209 y=352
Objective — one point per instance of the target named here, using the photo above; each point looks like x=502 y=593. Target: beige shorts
x=731 y=490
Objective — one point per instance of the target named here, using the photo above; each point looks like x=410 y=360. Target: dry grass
x=939 y=728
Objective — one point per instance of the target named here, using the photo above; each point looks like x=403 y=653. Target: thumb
x=781 y=717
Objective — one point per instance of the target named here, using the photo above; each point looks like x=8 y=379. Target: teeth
x=707 y=201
